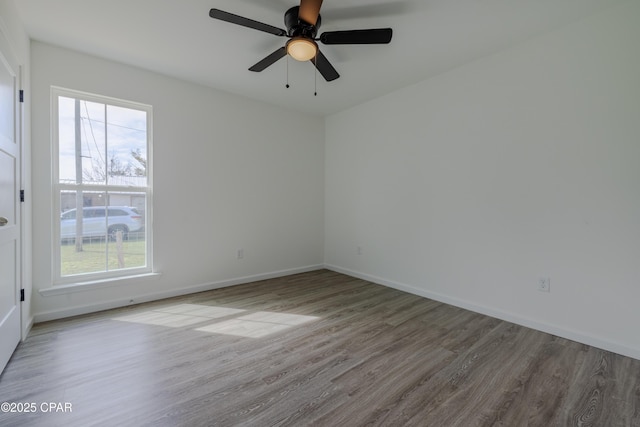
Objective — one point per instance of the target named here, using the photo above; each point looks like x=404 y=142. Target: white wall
x=470 y=186
x=11 y=26
x=229 y=173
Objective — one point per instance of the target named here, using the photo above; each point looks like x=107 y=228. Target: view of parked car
x=102 y=221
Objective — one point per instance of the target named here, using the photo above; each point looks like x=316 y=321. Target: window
x=102 y=187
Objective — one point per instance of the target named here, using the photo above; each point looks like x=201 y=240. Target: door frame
x=15 y=320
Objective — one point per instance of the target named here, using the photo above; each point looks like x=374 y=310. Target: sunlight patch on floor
x=279 y=318
x=257 y=325
x=176 y=316
x=253 y=325
x=213 y=312
x=162 y=319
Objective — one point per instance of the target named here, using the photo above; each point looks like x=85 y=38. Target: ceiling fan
x=302 y=24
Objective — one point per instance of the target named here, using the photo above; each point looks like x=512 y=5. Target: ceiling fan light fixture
x=302 y=48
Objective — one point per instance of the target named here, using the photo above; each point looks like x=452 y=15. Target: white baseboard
x=468 y=305
x=123 y=302
x=499 y=314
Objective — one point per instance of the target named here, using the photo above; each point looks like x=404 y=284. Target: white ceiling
x=179 y=39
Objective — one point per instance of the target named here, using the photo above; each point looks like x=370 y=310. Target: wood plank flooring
x=318 y=348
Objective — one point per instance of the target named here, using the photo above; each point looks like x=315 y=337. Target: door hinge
x=21 y=295
x=22 y=196
x=21 y=95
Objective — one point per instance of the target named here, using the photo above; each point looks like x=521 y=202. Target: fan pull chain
x=315 y=76
x=287 y=85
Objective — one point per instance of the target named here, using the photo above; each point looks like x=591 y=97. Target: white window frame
x=58 y=188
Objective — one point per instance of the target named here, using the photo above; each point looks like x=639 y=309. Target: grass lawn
x=93 y=257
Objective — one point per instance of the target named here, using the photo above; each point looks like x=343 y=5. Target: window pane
x=99 y=142
x=114 y=235
x=127 y=146
x=93 y=203
x=93 y=136
x=66 y=140
x=81 y=134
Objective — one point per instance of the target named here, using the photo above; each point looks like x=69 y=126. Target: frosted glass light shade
x=301 y=48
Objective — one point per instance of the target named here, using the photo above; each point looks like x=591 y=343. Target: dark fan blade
x=373 y=36
x=246 y=22
x=324 y=66
x=309 y=10
x=269 y=60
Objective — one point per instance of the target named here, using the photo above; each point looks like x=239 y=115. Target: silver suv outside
x=100 y=221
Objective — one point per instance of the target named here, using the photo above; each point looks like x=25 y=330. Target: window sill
x=93 y=284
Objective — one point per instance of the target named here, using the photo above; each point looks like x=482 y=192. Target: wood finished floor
x=318 y=348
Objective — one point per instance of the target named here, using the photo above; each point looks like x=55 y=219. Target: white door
x=9 y=205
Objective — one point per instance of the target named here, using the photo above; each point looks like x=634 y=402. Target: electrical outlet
x=240 y=253
x=544 y=284
x=359 y=250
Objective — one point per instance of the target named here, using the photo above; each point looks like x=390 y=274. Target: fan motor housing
x=297 y=27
